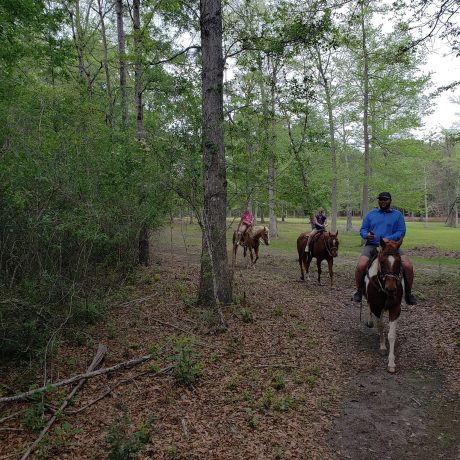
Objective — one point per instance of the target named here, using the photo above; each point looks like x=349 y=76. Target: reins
x=382 y=274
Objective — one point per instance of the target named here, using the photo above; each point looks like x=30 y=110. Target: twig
x=184 y=428
x=124 y=365
x=138 y=300
x=94 y=401
x=276 y=365
x=8 y=417
x=170 y=325
x=101 y=351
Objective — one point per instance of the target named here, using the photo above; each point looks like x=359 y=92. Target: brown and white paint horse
x=251 y=241
x=323 y=246
x=384 y=291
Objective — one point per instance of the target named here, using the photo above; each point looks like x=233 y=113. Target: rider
x=319 y=224
x=246 y=222
x=388 y=223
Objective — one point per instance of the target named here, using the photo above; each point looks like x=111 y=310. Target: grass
x=434 y=234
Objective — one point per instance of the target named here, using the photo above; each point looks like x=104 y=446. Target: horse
x=251 y=241
x=384 y=291
x=324 y=245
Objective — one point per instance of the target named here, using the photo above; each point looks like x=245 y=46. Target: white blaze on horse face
x=391 y=261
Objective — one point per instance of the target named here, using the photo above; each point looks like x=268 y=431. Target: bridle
x=383 y=274
x=328 y=244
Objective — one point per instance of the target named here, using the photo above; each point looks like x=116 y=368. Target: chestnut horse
x=324 y=245
x=384 y=290
x=251 y=241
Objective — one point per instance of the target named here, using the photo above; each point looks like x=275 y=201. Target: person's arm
x=365 y=231
x=399 y=228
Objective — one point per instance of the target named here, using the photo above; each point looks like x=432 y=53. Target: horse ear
x=336 y=233
x=399 y=242
x=382 y=242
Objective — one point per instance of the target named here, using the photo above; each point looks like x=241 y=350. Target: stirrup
x=357 y=297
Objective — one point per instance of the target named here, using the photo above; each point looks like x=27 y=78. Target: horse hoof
x=391 y=370
x=370 y=324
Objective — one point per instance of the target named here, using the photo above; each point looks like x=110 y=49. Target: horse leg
x=330 y=263
x=370 y=318
x=392 y=340
x=383 y=346
x=318 y=264
x=252 y=257
x=301 y=263
x=308 y=260
x=235 y=248
x=256 y=250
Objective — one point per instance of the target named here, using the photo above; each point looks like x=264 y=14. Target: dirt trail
x=295 y=376
x=413 y=414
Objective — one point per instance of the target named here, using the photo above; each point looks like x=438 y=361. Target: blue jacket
x=387 y=224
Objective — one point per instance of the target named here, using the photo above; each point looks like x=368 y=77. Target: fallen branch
x=8 y=417
x=281 y=366
x=87 y=375
x=171 y=325
x=99 y=356
x=94 y=401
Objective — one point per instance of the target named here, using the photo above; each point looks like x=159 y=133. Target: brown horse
x=324 y=245
x=251 y=241
x=384 y=290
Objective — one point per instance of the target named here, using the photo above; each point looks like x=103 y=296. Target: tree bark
x=333 y=149
x=138 y=84
x=451 y=182
x=273 y=225
x=144 y=233
x=215 y=280
x=365 y=200
x=105 y=59
x=122 y=63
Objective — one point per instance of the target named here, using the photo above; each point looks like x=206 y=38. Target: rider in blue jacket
x=387 y=223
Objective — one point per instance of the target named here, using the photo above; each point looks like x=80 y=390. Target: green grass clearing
x=434 y=234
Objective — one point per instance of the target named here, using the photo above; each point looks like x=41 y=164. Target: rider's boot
x=409 y=297
x=358 y=295
x=238 y=238
x=307 y=250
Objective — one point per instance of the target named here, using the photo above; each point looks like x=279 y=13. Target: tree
x=215 y=280
x=122 y=63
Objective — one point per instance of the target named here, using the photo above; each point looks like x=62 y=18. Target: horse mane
x=256 y=231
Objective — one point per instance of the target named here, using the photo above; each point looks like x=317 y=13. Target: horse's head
x=389 y=265
x=265 y=235
x=332 y=243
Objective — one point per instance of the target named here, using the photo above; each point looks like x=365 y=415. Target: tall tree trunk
x=365 y=200
x=144 y=234
x=272 y=158
x=425 y=195
x=330 y=115
x=122 y=63
x=348 y=207
x=105 y=60
x=215 y=280
x=452 y=185
x=138 y=81
x=78 y=39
